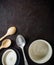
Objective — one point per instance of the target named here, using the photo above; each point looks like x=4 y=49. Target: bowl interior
x=18 y=56
x=40 y=51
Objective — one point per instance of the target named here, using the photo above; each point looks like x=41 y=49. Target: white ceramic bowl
x=9 y=57
x=40 y=51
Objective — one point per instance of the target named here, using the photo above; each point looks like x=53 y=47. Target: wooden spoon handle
x=1 y=47
x=3 y=37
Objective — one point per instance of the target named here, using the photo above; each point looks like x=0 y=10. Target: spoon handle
x=25 y=61
x=1 y=47
x=3 y=37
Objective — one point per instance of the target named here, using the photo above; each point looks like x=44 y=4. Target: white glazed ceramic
x=9 y=57
x=40 y=51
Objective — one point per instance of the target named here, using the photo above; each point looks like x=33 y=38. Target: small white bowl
x=9 y=57
x=40 y=51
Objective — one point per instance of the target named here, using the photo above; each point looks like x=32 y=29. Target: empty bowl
x=10 y=57
x=40 y=51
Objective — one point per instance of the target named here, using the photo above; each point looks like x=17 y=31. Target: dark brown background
x=34 y=19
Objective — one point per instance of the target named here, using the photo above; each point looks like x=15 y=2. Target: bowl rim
x=47 y=57
x=11 y=49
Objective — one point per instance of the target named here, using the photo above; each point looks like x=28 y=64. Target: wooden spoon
x=5 y=44
x=10 y=31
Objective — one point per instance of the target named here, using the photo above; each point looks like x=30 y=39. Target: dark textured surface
x=34 y=19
